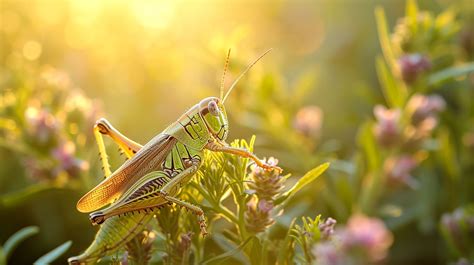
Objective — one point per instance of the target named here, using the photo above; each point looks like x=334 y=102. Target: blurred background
x=141 y=64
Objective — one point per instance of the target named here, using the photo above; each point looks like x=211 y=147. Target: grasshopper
x=155 y=172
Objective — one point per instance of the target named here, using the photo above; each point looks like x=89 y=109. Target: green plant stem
x=217 y=206
x=226 y=212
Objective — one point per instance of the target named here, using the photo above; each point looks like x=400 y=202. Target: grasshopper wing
x=147 y=159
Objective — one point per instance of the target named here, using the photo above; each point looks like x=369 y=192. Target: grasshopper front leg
x=216 y=146
x=173 y=184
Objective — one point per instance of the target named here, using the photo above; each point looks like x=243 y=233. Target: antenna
x=242 y=74
x=223 y=75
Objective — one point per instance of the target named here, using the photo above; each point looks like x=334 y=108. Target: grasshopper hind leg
x=156 y=195
x=108 y=238
x=127 y=146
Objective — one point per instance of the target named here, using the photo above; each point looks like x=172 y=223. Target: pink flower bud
x=399 y=169
x=412 y=65
x=308 y=121
x=327 y=253
x=67 y=162
x=421 y=107
x=42 y=125
x=386 y=130
x=368 y=234
x=265 y=206
x=327 y=228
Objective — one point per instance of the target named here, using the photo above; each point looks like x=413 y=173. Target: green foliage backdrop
x=368 y=106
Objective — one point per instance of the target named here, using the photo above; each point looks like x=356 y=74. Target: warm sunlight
x=348 y=138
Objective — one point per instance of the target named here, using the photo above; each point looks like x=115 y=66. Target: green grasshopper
x=155 y=172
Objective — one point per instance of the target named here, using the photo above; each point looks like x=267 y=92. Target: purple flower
x=67 y=162
x=264 y=187
x=308 y=121
x=327 y=253
x=327 y=227
x=265 y=184
x=458 y=228
x=42 y=125
x=421 y=107
x=399 y=169
x=265 y=206
x=386 y=130
x=258 y=215
x=412 y=65
x=363 y=240
x=368 y=235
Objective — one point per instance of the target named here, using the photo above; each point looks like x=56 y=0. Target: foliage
x=398 y=133
x=14 y=240
x=241 y=211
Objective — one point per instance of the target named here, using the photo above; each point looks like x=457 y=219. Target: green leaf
x=384 y=37
x=14 y=240
x=309 y=177
x=447 y=155
x=449 y=73
x=220 y=258
x=54 y=254
x=366 y=141
x=373 y=178
x=394 y=92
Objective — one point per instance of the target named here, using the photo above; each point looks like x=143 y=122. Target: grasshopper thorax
x=213 y=113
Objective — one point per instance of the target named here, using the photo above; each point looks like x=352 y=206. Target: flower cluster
x=363 y=240
x=458 y=230
x=313 y=233
x=49 y=127
x=327 y=227
x=412 y=66
x=308 y=121
x=265 y=186
x=406 y=137
x=387 y=130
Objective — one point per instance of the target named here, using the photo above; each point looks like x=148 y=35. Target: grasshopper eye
x=213 y=109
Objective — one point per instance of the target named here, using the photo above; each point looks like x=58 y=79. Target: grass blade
x=13 y=241
x=54 y=254
x=449 y=73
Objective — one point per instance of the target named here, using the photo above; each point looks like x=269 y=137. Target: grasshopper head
x=213 y=113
